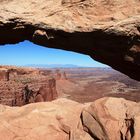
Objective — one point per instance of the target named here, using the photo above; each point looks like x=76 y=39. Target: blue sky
x=25 y=53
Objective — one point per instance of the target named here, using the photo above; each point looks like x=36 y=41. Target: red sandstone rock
x=112 y=119
x=64 y=77
x=12 y=73
x=63 y=119
x=61 y=75
x=58 y=75
x=58 y=120
x=4 y=74
x=47 y=92
x=23 y=86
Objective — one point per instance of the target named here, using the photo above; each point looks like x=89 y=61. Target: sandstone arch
x=107 y=31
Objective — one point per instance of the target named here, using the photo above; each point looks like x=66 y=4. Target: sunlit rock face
x=60 y=75
x=108 y=31
x=47 y=92
x=63 y=119
x=112 y=119
x=20 y=86
x=64 y=76
x=4 y=74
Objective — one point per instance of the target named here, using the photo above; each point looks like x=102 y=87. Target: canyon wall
x=60 y=75
x=47 y=92
x=108 y=31
x=4 y=74
x=20 y=86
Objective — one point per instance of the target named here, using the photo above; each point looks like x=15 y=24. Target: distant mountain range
x=53 y=66
x=60 y=66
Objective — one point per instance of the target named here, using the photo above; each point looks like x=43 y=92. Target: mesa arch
x=108 y=31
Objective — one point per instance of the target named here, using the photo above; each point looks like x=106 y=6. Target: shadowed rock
x=108 y=31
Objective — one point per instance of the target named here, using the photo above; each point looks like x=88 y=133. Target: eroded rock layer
x=63 y=119
x=20 y=86
x=108 y=31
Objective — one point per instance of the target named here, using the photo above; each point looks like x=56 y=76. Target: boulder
x=112 y=119
x=62 y=119
x=42 y=121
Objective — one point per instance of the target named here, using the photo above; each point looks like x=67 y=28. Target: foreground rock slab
x=108 y=31
x=105 y=119
x=112 y=119
x=57 y=120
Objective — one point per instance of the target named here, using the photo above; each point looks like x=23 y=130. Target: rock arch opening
x=110 y=47
x=26 y=76
x=70 y=75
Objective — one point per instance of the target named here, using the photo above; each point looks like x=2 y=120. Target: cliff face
x=4 y=74
x=64 y=119
x=23 y=86
x=108 y=31
x=47 y=92
x=60 y=75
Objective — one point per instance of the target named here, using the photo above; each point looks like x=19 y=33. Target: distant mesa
x=52 y=66
x=10 y=72
x=4 y=74
x=61 y=75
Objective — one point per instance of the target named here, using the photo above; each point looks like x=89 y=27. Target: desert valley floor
x=89 y=84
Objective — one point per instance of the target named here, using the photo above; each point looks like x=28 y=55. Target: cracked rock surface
x=105 y=119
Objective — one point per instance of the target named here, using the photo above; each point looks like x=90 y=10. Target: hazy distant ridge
x=53 y=65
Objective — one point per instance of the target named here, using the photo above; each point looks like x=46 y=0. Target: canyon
x=72 y=104
x=27 y=85
x=68 y=104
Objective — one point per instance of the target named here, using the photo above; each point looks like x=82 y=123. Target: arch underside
x=115 y=42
